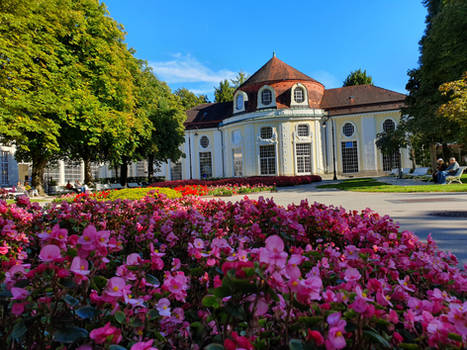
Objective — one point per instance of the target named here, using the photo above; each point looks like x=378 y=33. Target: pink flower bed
x=279 y=181
x=190 y=274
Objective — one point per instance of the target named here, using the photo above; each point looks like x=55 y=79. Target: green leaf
x=120 y=317
x=454 y=336
x=72 y=301
x=211 y=301
x=86 y=312
x=375 y=336
x=100 y=281
x=116 y=347
x=295 y=344
x=214 y=346
x=70 y=334
x=408 y=346
x=18 y=330
x=152 y=279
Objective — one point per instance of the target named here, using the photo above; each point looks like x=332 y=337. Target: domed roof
x=276 y=70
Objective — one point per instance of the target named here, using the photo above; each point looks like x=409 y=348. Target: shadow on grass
x=353 y=184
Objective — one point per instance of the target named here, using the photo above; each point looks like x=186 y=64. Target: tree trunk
x=433 y=156
x=124 y=173
x=150 y=167
x=87 y=172
x=37 y=177
x=412 y=158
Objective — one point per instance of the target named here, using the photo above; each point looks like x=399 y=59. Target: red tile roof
x=276 y=70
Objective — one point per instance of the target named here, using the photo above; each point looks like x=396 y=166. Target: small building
x=281 y=123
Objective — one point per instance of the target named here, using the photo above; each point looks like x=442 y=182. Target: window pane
x=299 y=95
x=176 y=171
x=389 y=125
x=349 y=157
x=205 y=164
x=396 y=161
x=239 y=102
x=348 y=129
x=303 y=130
x=267 y=157
x=4 y=167
x=303 y=155
x=266 y=97
x=204 y=141
x=237 y=161
x=266 y=133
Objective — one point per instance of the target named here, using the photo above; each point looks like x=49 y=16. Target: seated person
x=21 y=188
x=450 y=170
x=77 y=188
x=33 y=192
x=441 y=166
x=69 y=186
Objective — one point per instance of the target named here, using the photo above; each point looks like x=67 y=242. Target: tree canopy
x=188 y=99
x=358 y=77
x=443 y=59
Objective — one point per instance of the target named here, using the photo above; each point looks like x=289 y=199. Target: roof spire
x=274 y=53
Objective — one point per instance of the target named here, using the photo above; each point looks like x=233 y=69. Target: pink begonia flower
x=176 y=264
x=49 y=253
x=19 y=293
x=163 y=307
x=17 y=309
x=405 y=284
x=359 y=305
x=143 y=345
x=316 y=336
x=85 y=347
x=273 y=253
x=352 y=274
x=383 y=299
x=115 y=287
x=458 y=316
x=198 y=243
x=133 y=259
x=362 y=294
x=177 y=285
x=292 y=269
x=92 y=239
x=79 y=266
x=57 y=236
x=107 y=334
x=336 y=332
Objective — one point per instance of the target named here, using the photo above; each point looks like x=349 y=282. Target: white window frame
x=273 y=97
x=178 y=167
x=300 y=136
x=209 y=142
x=237 y=150
x=355 y=131
x=304 y=157
x=293 y=103
x=200 y=165
x=4 y=170
x=273 y=145
x=264 y=127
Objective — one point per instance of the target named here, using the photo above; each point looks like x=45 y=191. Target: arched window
x=303 y=130
x=204 y=141
x=266 y=133
x=348 y=129
x=239 y=102
x=299 y=94
x=389 y=125
x=266 y=97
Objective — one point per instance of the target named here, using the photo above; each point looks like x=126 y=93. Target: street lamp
x=327 y=118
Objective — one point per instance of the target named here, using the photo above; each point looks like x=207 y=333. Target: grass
x=372 y=185
x=11 y=201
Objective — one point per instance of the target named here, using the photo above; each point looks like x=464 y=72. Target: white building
x=281 y=122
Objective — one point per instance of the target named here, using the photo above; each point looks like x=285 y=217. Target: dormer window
x=299 y=94
x=239 y=102
x=266 y=97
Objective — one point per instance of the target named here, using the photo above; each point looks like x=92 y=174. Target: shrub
x=279 y=181
x=187 y=273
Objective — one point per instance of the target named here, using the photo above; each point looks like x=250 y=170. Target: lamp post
x=327 y=118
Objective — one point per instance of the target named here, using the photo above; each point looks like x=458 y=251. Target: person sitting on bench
x=450 y=170
x=441 y=166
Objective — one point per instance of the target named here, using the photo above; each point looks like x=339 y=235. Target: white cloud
x=327 y=79
x=187 y=69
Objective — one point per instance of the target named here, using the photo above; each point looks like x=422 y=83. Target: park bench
x=133 y=185
x=395 y=171
x=116 y=186
x=457 y=176
x=419 y=172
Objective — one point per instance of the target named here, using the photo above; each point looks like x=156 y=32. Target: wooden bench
x=116 y=187
x=133 y=185
x=457 y=176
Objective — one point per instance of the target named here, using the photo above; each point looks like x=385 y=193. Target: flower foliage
x=188 y=273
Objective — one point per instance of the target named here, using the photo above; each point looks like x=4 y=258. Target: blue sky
x=195 y=44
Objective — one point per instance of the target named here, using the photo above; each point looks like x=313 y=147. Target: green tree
x=358 y=77
x=34 y=86
x=224 y=92
x=390 y=142
x=239 y=79
x=188 y=99
x=443 y=59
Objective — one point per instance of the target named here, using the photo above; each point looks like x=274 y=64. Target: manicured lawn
x=11 y=201
x=372 y=185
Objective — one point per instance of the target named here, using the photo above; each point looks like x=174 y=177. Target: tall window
x=176 y=170
x=266 y=97
x=4 y=167
x=299 y=95
x=237 y=161
x=72 y=171
x=303 y=151
x=266 y=133
x=239 y=102
x=303 y=130
x=267 y=159
x=394 y=160
x=349 y=157
x=205 y=165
